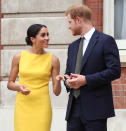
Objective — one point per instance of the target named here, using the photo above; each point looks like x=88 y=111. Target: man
x=92 y=63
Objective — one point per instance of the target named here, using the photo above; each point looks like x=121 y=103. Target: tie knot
x=82 y=38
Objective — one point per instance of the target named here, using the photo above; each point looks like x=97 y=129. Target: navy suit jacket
x=100 y=65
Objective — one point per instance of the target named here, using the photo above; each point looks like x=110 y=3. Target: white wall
x=17 y=16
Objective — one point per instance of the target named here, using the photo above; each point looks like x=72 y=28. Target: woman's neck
x=37 y=50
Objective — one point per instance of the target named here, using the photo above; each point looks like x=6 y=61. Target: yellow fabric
x=33 y=112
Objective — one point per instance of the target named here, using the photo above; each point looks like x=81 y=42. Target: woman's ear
x=32 y=39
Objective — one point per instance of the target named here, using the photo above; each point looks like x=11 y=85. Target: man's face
x=73 y=25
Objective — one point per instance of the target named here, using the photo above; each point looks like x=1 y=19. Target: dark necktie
x=76 y=92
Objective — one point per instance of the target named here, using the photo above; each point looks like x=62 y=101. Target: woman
x=35 y=67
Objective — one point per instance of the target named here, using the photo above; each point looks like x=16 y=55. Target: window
x=114 y=23
x=120 y=19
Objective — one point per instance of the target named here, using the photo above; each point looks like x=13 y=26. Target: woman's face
x=42 y=38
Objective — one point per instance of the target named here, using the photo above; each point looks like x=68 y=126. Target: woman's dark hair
x=32 y=32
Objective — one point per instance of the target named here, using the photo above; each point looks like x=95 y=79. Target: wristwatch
x=65 y=79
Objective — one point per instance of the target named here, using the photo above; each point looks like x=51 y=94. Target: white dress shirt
x=87 y=37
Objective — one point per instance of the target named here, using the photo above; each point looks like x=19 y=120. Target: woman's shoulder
x=16 y=57
x=55 y=60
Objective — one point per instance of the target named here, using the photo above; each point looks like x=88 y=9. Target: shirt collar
x=89 y=34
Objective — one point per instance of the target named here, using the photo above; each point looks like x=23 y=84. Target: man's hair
x=79 y=10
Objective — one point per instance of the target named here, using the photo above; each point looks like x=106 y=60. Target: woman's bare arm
x=13 y=74
x=55 y=72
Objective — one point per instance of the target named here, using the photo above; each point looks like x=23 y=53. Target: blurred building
x=17 y=15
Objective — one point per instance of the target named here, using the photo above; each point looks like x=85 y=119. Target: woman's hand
x=24 y=90
x=61 y=77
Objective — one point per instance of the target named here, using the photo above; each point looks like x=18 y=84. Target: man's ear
x=78 y=19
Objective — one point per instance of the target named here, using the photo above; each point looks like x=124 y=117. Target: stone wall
x=15 y=17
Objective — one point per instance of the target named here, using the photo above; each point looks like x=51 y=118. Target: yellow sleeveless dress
x=33 y=112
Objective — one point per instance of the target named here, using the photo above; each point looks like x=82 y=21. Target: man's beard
x=76 y=32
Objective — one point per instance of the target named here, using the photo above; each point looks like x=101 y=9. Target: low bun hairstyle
x=32 y=32
x=28 y=41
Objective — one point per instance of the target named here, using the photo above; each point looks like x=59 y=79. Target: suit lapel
x=90 y=47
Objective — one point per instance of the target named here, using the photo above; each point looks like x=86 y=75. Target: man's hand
x=75 y=81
